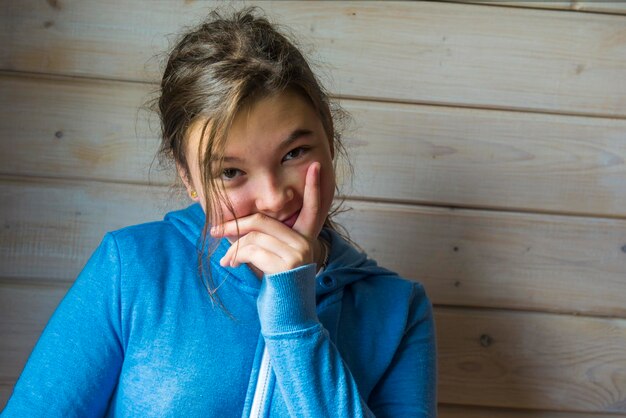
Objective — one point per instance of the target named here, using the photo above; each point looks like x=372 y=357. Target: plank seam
x=571 y=8
x=69 y=77
x=482 y=408
x=561 y=313
x=174 y=189
x=65 y=282
x=36 y=282
x=477 y=107
x=452 y=207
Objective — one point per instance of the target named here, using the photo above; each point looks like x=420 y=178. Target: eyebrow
x=291 y=138
x=295 y=135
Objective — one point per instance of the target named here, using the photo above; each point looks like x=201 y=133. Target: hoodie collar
x=190 y=223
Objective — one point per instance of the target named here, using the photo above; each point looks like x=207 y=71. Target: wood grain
x=464 y=257
x=76 y=128
x=424 y=154
x=488 y=159
x=493 y=259
x=532 y=360
x=49 y=228
x=431 y=52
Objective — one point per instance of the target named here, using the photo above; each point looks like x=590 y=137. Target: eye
x=295 y=153
x=231 y=173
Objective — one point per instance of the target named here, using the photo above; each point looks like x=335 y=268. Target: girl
x=295 y=322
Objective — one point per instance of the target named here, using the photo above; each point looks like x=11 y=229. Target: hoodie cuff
x=286 y=301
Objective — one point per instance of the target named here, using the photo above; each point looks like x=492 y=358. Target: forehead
x=261 y=122
x=273 y=117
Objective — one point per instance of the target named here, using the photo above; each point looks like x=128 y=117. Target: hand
x=271 y=246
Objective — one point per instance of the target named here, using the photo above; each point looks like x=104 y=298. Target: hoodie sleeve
x=74 y=366
x=312 y=376
x=408 y=387
x=310 y=373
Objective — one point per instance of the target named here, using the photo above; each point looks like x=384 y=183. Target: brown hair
x=212 y=72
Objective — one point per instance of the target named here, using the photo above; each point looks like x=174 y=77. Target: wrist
x=286 y=301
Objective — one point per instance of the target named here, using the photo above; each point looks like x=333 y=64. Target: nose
x=272 y=194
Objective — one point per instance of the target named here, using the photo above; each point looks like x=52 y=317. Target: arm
x=74 y=366
x=409 y=386
x=310 y=372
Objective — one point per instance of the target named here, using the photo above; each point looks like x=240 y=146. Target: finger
x=260 y=223
x=262 y=258
x=267 y=255
x=307 y=222
x=258 y=239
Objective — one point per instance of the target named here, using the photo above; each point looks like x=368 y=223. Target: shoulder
x=179 y=230
x=392 y=295
x=358 y=273
x=150 y=249
x=392 y=285
x=144 y=263
x=145 y=232
x=134 y=246
x=374 y=289
x=159 y=236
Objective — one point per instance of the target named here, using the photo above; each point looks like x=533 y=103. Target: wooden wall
x=489 y=142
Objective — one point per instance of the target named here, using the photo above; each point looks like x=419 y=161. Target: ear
x=184 y=176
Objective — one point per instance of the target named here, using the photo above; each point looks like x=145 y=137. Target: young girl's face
x=269 y=148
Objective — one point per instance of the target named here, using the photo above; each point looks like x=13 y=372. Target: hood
x=345 y=263
x=189 y=222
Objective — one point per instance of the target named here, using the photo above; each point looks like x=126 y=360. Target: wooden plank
x=462 y=411
x=596 y=6
x=489 y=159
x=424 y=154
x=86 y=129
x=62 y=232
x=432 y=52
x=525 y=360
x=510 y=260
x=464 y=257
x=532 y=360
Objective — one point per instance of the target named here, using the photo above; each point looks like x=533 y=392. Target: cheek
x=240 y=203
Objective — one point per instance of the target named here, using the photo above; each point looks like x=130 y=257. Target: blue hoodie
x=138 y=335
